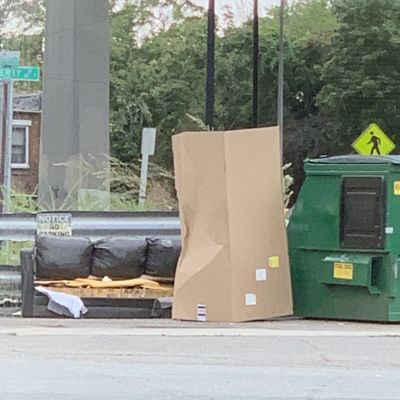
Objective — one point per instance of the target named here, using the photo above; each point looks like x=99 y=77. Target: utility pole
x=210 y=85
x=280 y=73
x=255 y=64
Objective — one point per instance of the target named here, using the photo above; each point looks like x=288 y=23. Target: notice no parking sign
x=55 y=224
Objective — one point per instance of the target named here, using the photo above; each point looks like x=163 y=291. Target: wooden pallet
x=120 y=293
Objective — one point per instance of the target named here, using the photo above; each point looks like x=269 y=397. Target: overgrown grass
x=120 y=182
x=10 y=252
x=118 y=190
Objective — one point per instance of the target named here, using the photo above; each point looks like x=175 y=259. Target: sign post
x=9 y=87
x=11 y=71
x=373 y=141
x=148 y=148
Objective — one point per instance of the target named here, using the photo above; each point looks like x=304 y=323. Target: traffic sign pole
x=8 y=146
x=143 y=179
x=3 y=127
x=11 y=71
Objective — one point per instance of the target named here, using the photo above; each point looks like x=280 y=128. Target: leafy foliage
x=362 y=77
x=155 y=81
x=342 y=68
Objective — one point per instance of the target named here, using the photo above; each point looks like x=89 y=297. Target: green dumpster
x=344 y=239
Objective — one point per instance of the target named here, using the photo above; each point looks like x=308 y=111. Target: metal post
x=210 y=89
x=8 y=147
x=255 y=64
x=143 y=179
x=3 y=127
x=280 y=73
x=148 y=149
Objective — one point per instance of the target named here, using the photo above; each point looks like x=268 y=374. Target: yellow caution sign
x=373 y=141
x=343 y=271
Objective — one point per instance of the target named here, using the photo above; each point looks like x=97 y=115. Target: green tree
x=128 y=110
x=21 y=29
x=309 y=19
x=305 y=54
x=174 y=79
x=362 y=82
x=22 y=16
x=234 y=78
x=157 y=79
x=158 y=70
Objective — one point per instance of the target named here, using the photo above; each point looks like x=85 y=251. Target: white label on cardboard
x=201 y=313
x=251 y=299
x=261 y=274
x=389 y=230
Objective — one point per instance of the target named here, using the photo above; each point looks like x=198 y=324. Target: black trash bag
x=162 y=256
x=119 y=257
x=63 y=257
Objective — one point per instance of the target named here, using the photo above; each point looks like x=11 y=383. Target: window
x=20 y=144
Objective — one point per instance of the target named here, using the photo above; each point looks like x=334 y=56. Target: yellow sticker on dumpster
x=274 y=262
x=396 y=188
x=343 y=271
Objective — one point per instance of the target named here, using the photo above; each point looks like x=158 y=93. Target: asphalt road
x=293 y=359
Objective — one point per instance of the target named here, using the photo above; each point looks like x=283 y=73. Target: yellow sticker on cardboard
x=396 y=188
x=274 y=262
x=343 y=271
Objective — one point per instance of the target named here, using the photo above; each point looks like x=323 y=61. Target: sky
x=241 y=8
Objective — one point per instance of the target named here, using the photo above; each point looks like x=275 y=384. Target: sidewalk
x=284 y=327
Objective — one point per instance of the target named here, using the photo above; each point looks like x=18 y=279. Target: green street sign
x=9 y=58
x=31 y=74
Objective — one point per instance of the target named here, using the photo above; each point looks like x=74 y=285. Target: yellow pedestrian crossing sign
x=373 y=141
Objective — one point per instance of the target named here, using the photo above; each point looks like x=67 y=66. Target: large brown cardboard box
x=234 y=263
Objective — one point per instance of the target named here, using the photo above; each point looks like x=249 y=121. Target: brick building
x=26 y=142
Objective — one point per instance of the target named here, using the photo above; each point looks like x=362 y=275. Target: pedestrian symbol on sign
x=376 y=142
x=373 y=142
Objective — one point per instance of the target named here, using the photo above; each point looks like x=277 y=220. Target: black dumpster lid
x=356 y=159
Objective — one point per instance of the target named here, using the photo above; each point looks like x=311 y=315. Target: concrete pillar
x=75 y=121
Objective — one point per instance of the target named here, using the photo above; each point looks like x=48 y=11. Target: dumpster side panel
x=319 y=199
x=329 y=280
x=319 y=297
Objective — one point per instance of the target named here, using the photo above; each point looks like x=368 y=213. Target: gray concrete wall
x=75 y=124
